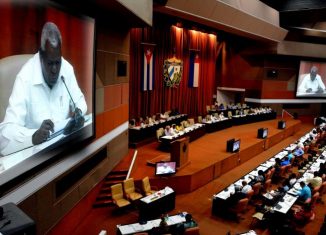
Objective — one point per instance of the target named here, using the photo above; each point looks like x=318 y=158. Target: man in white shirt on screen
x=165 y=169
x=312 y=83
x=40 y=98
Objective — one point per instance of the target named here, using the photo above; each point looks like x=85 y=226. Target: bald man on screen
x=45 y=94
x=312 y=82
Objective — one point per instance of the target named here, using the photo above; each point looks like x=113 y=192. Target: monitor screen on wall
x=41 y=118
x=311 y=79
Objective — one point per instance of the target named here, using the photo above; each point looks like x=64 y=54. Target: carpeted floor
x=199 y=202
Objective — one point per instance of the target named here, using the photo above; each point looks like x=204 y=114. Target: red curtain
x=172 y=41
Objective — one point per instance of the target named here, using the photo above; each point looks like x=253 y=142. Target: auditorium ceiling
x=305 y=20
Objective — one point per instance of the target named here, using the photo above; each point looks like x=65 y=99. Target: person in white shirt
x=312 y=83
x=169 y=131
x=245 y=187
x=40 y=97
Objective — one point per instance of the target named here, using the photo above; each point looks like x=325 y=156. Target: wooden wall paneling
x=229 y=163
x=250 y=152
x=99 y=99
x=274 y=139
x=118 y=147
x=180 y=184
x=289 y=131
x=202 y=177
x=217 y=169
x=112 y=96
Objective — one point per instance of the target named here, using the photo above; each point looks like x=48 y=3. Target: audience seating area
x=278 y=198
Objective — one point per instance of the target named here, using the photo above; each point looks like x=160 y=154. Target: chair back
x=159 y=133
x=282 y=171
x=292 y=160
x=146 y=185
x=116 y=191
x=250 y=193
x=267 y=184
x=287 y=168
x=129 y=186
x=322 y=189
x=268 y=175
x=167 y=113
x=307 y=201
x=272 y=171
x=312 y=217
x=229 y=114
x=314 y=199
x=200 y=119
x=316 y=189
x=191 y=121
x=256 y=187
x=9 y=68
x=242 y=205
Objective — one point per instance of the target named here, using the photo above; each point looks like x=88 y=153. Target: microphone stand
x=284 y=111
x=72 y=100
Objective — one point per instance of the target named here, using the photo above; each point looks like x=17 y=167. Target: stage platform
x=208 y=157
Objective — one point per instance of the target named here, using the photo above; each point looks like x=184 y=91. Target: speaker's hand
x=320 y=90
x=309 y=90
x=43 y=133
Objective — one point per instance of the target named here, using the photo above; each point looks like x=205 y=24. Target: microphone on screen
x=63 y=80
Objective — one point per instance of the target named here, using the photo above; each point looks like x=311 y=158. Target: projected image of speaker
x=229 y=145
x=262 y=133
x=281 y=125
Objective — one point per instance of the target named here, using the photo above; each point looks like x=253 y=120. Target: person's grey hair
x=314 y=68
x=50 y=33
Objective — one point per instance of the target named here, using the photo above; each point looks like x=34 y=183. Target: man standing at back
x=45 y=93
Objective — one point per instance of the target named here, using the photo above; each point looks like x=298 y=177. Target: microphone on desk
x=72 y=100
x=77 y=120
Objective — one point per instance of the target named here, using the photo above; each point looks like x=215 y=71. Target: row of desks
x=222 y=196
x=290 y=197
x=138 y=134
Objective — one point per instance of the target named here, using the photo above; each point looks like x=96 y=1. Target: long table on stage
x=156 y=204
x=212 y=126
x=225 y=111
x=250 y=118
x=138 y=134
x=194 y=132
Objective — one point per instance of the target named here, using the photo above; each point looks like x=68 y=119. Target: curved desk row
x=220 y=197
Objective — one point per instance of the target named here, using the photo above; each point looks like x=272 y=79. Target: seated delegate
x=304 y=193
x=44 y=96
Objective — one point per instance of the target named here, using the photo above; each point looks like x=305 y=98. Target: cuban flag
x=194 y=69
x=148 y=69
